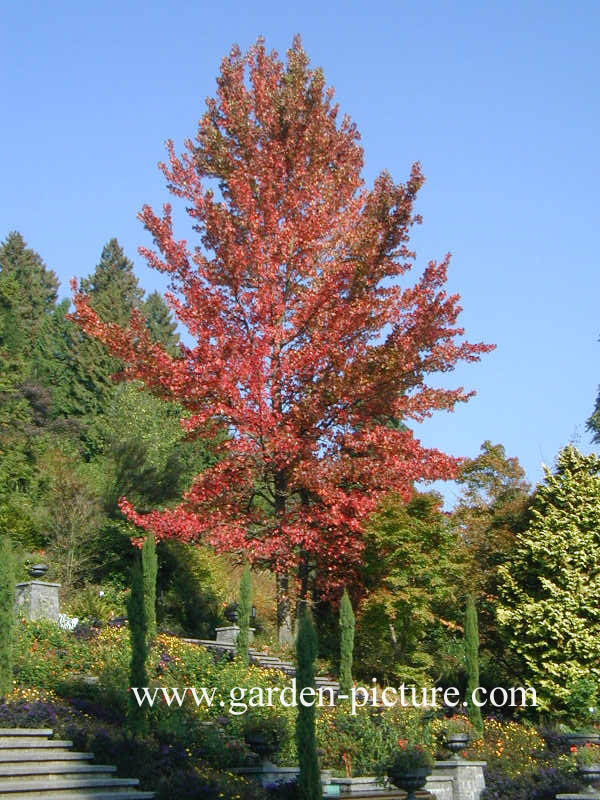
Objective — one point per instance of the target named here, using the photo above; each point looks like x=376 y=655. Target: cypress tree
x=472 y=662
x=150 y=571
x=309 y=780
x=138 y=676
x=7 y=616
x=346 y=644
x=245 y=605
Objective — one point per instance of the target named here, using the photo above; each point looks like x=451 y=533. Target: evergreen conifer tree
x=74 y=367
x=472 y=662
x=245 y=606
x=35 y=287
x=346 y=643
x=309 y=779
x=160 y=322
x=7 y=616
x=138 y=675
x=549 y=594
x=150 y=571
x=113 y=287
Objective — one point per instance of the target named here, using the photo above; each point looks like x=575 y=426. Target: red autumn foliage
x=309 y=340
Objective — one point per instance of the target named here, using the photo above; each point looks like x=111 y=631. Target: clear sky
x=499 y=101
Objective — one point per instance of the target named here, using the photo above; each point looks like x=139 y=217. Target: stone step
x=11 y=733
x=56 y=788
x=46 y=757
x=47 y=772
x=44 y=745
x=84 y=794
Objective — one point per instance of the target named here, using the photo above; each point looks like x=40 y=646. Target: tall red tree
x=308 y=341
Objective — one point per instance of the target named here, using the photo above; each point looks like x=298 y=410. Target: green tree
x=34 y=286
x=69 y=513
x=409 y=619
x=113 y=287
x=138 y=632
x=7 y=616
x=150 y=571
x=144 y=454
x=492 y=509
x=472 y=662
x=245 y=607
x=160 y=322
x=309 y=779
x=549 y=609
x=75 y=368
x=346 y=643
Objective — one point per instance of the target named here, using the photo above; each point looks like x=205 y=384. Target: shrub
x=512 y=749
x=362 y=744
x=544 y=784
x=90 y=606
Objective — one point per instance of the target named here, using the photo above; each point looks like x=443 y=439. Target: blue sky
x=497 y=100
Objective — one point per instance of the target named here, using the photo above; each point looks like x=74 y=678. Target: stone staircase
x=35 y=767
x=264 y=660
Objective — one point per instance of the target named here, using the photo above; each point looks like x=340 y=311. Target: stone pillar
x=440 y=786
x=467 y=776
x=37 y=600
x=229 y=634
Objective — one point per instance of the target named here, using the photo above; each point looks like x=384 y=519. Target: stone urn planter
x=265 y=736
x=409 y=781
x=38 y=570
x=590 y=775
x=232 y=612
x=261 y=745
x=456 y=742
x=410 y=768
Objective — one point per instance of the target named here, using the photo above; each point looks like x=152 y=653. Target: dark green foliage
x=244 y=608
x=7 y=615
x=491 y=511
x=145 y=458
x=544 y=784
x=113 y=287
x=76 y=368
x=412 y=573
x=472 y=662
x=150 y=570
x=160 y=322
x=346 y=643
x=138 y=676
x=34 y=287
x=309 y=780
x=188 y=590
